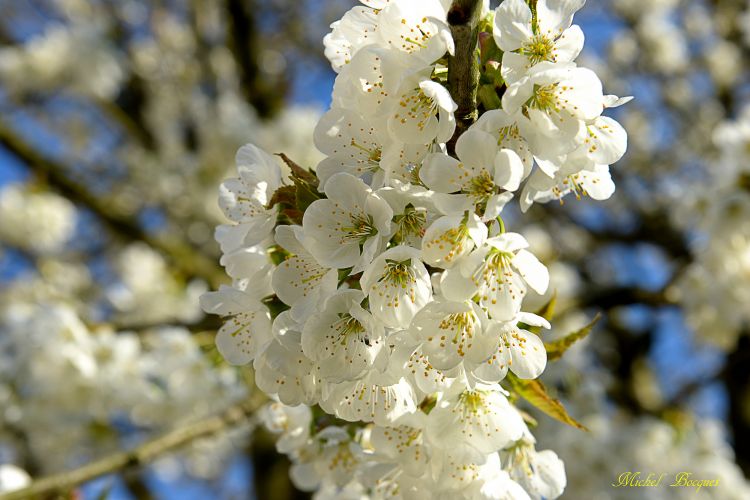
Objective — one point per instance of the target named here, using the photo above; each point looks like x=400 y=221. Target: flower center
x=399 y=274
x=461 y=321
x=473 y=401
x=539 y=49
x=373 y=155
x=481 y=187
x=572 y=182
x=418 y=38
x=412 y=172
x=544 y=98
x=343 y=458
x=518 y=457
x=498 y=259
x=348 y=325
x=361 y=228
x=495 y=271
x=463 y=325
x=451 y=240
x=509 y=132
x=416 y=107
x=410 y=223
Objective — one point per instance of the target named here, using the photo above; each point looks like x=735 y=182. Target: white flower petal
x=509 y=169
x=512 y=25
x=532 y=271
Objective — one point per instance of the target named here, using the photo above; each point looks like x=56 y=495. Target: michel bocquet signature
x=654 y=480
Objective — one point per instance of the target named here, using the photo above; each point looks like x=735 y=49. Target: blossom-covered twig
x=143 y=454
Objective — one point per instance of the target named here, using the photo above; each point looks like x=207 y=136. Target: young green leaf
x=558 y=347
x=535 y=393
x=299 y=172
x=547 y=311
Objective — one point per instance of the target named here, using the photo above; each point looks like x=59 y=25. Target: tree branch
x=615 y=296
x=736 y=379
x=463 y=66
x=143 y=454
x=207 y=323
x=266 y=95
x=180 y=253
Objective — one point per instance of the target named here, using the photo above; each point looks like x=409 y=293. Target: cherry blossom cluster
x=53 y=365
x=79 y=58
x=40 y=222
x=715 y=287
x=380 y=299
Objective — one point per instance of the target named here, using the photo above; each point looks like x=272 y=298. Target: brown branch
x=264 y=93
x=463 y=66
x=736 y=380
x=141 y=455
x=207 y=323
x=616 y=296
x=186 y=259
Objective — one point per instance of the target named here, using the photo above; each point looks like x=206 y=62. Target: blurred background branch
x=145 y=453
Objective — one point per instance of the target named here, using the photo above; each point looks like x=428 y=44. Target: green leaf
x=303 y=193
x=547 y=311
x=299 y=172
x=557 y=348
x=535 y=393
x=488 y=97
x=278 y=255
x=530 y=421
x=284 y=195
x=275 y=305
x=293 y=215
x=488 y=49
x=306 y=194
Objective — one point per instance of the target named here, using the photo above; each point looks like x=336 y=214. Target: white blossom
x=343 y=337
x=377 y=397
x=282 y=369
x=481 y=175
x=451 y=332
x=514 y=349
x=397 y=286
x=553 y=39
x=540 y=473
x=554 y=102
x=422 y=112
x=452 y=237
x=244 y=200
x=349 y=227
x=473 y=423
x=498 y=273
x=300 y=281
x=247 y=326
